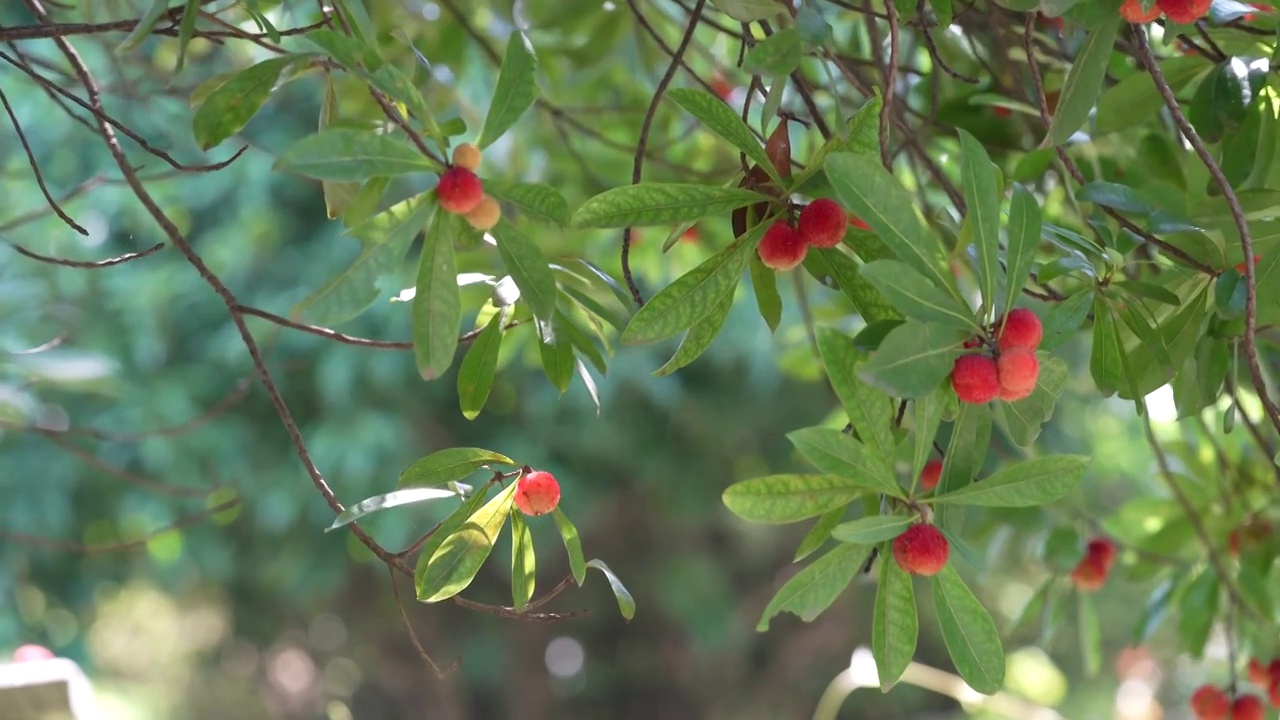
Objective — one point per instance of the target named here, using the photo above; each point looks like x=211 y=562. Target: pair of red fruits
x=822 y=224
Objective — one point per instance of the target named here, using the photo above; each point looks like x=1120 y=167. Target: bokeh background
x=258 y=613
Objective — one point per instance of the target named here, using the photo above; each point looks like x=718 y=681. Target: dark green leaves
x=626 y=604
x=229 y=108
x=969 y=632
x=572 y=545
x=660 y=204
x=523 y=563
x=776 y=55
x=895 y=627
x=834 y=452
x=812 y=590
x=916 y=297
x=698 y=338
x=1023 y=239
x=982 y=197
x=145 y=25
x=455 y=563
x=1026 y=484
x=516 y=90
x=528 y=268
x=869 y=410
x=723 y=121
x=914 y=358
x=392 y=499
x=343 y=154
x=437 y=309
x=1135 y=99
x=475 y=374
x=1221 y=101
x=781 y=499
x=1084 y=81
x=871 y=529
x=451 y=465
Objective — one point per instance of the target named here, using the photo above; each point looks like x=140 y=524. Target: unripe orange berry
x=466 y=156
x=485 y=215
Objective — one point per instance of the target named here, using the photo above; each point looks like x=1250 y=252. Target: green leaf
x=819 y=534
x=693 y=296
x=1197 y=610
x=556 y=351
x=872 y=529
x=832 y=266
x=1156 y=610
x=782 y=499
x=1023 y=419
x=660 y=204
x=145 y=25
x=834 y=452
x=914 y=359
x=1026 y=484
x=895 y=627
x=812 y=590
x=539 y=202
x=866 y=188
x=626 y=604
x=455 y=563
x=764 y=283
x=916 y=297
x=187 y=30
x=1135 y=99
x=449 y=465
x=1023 y=240
x=698 y=338
x=385 y=240
x=1221 y=101
x=966 y=453
x=437 y=309
x=1064 y=319
x=1106 y=358
x=1084 y=80
x=1090 y=634
x=479 y=365
x=529 y=268
x=443 y=532
x=718 y=117
x=395 y=498
x=982 y=197
x=869 y=410
x=969 y=632
x=776 y=55
x=1115 y=196
x=748 y=10
x=926 y=415
x=572 y=545
x=516 y=91
x=229 y=108
x=343 y=154
x=524 y=574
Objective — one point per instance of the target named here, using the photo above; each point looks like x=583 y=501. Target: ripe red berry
x=1020 y=328
x=857 y=222
x=1258 y=672
x=782 y=247
x=1240 y=266
x=1273 y=671
x=1091 y=574
x=459 y=190
x=1132 y=12
x=1001 y=111
x=1018 y=371
x=1248 y=707
x=1273 y=694
x=537 y=493
x=1208 y=702
x=931 y=474
x=921 y=550
x=975 y=379
x=822 y=223
x=1184 y=11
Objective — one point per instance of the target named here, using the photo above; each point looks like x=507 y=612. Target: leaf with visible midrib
x=229 y=108
x=1026 y=484
x=788 y=498
x=455 y=563
x=982 y=198
x=1084 y=81
x=812 y=590
x=343 y=154
x=895 y=626
x=969 y=633
x=626 y=603
x=646 y=204
x=540 y=202
x=916 y=297
x=572 y=545
x=1023 y=240
x=523 y=563
x=870 y=410
x=515 y=92
x=718 y=117
x=449 y=465
x=834 y=452
x=872 y=529
x=698 y=338
x=913 y=359
x=475 y=374
x=529 y=268
x=396 y=498
x=437 y=308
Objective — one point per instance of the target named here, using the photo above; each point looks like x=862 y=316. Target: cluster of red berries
x=461 y=192
x=822 y=223
x=921 y=550
x=537 y=493
x=1179 y=11
x=1012 y=373
x=1092 y=571
x=1210 y=702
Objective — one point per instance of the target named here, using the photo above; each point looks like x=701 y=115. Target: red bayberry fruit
x=32 y=653
x=1132 y=12
x=1001 y=111
x=1017 y=371
x=1258 y=673
x=459 y=190
x=782 y=247
x=1092 y=571
x=1020 y=328
x=822 y=223
x=1240 y=266
x=931 y=474
x=537 y=493
x=975 y=379
x=921 y=550
x=1208 y=702
x=1248 y=707
x=857 y=222
x=1273 y=670
x=1184 y=11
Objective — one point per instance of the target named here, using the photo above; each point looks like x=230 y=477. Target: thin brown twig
x=181 y=523
x=935 y=56
x=241 y=390
x=35 y=168
x=86 y=264
x=413 y=635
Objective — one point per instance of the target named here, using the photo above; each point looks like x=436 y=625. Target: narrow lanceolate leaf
x=572 y=545
x=529 y=268
x=445 y=530
x=764 y=284
x=872 y=529
x=913 y=359
x=867 y=189
x=698 y=338
x=835 y=268
x=911 y=293
x=539 y=202
x=555 y=348
x=392 y=499
x=145 y=25
x=895 y=627
x=437 y=308
x=661 y=204
x=479 y=365
x=1027 y=484
x=693 y=296
x=455 y=563
x=343 y=154
x=515 y=92
x=1084 y=80
x=449 y=465
x=869 y=410
x=782 y=499
x=819 y=534
x=1106 y=360
x=982 y=197
x=834 y=452
x=969 y=632
x=723 y=121
x=812 y=590
x=229 y=108
x=523 y=565
x=385 y=239
x=1023 y=238
x=626 y=603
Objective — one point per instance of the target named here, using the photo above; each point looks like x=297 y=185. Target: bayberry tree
x=967 y=213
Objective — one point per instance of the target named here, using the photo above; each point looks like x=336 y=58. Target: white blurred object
x=53 y=689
